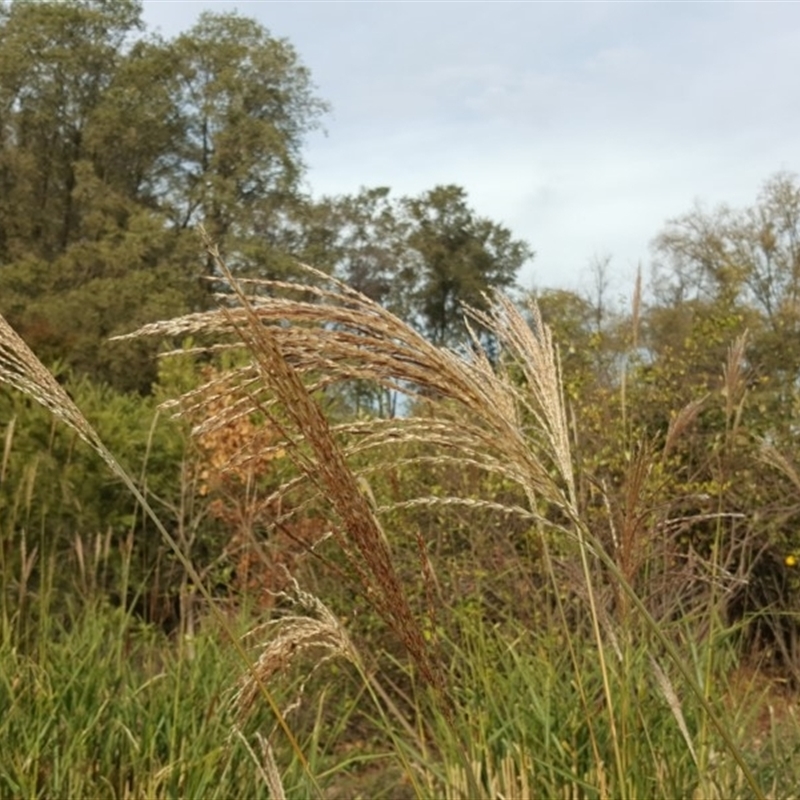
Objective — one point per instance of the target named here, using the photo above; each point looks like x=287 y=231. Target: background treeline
x=115 y=144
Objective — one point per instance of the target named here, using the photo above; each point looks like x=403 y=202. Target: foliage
x=244 y=103
x=462 y=256
x=425 y=258
x=107 y=708
x=56 y=494
x=112 y=145
x=742 y=265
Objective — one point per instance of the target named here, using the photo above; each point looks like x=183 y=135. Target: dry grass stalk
x=322 y=460
x=771 y=456
x=22 y=370
x=674 y=704
x=636 y=309
x=9 y=438
x=469 y=409
x=681 y=422
x=288 y=637
x=266 y=767
x=273 y=777
x=508 y=777
x=629 y=525
x=350 y=338
x=531 y=349
x=735 y=381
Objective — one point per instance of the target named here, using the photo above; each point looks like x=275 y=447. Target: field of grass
x=530 y=658
x=98 y=704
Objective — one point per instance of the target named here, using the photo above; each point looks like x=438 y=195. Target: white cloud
x=582 y=126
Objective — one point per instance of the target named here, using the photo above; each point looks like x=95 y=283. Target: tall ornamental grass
x=603 y=701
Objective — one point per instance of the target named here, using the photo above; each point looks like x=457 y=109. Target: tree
x=363 y=240
x=244 y=103
x=743 y=267
x=113 y=146
x=424 y=258
x=750 y=256
x=462 y=256
x=56 y=62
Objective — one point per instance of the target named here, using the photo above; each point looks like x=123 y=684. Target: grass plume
x=504 y=416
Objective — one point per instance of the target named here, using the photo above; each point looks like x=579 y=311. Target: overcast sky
x=583 y=127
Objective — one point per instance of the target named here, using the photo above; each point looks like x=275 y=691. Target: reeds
x=462 y=406
x=505 y=417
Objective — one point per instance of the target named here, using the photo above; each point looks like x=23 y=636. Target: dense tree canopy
x=426 y=257
x=116 y=144
x=113 y=145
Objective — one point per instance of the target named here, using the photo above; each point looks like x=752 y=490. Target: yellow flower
x=790 y=561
